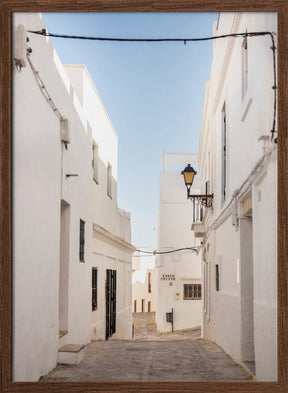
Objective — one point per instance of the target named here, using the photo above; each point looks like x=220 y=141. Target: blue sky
x=153 y=93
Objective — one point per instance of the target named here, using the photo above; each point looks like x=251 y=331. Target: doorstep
x=71 y=354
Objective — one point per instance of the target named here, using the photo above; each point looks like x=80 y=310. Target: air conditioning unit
x=20 y=46
x=65 y=131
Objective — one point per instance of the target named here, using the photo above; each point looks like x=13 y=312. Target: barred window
x=217 y=277
x=82 y=241
x=224 y=156
x=94 y=288
x=149 y=283
x=192 y=292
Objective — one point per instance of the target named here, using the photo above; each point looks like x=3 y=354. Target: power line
x=45 y=33
x=157 y=252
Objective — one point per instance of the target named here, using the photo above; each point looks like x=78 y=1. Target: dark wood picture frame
x=7 y=7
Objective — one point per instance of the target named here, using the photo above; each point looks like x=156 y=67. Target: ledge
x=102 y=231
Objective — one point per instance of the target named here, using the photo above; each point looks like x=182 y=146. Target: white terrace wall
x=37 y=153
x=51 y=287
x=143 y=292
x=241 y=231
x=174 y=231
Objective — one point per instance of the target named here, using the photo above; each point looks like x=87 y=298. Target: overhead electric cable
x=157 y=252
x=45 y=33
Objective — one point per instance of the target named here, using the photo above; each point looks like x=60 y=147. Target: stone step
x=71 y=354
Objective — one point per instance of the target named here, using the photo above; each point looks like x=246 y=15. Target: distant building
x=143 y=286
x=178 y=274
x=239 y=162
x=71 y=243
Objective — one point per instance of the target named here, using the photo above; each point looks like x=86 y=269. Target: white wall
x=108 y=254
x=265 y=272
x=40 y=187
x=36 y=215
x=140 y=284
x=174 y=231
x=242 y=315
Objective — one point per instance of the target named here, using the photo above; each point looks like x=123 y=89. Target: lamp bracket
x=202 y=199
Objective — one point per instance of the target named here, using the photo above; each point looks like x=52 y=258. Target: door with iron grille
x=110 y=302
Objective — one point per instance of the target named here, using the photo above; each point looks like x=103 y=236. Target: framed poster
x=8 y=8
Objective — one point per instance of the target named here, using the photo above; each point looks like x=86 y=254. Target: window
x=109 y=180
x=217 y=277
x=224 y=156
x=94 y=288
x=244 y=55
x=95 y=161
x=149 y=306
x=207 y=187
x=143 y=305
x=135 y=305
x=149 y=283
x=205 y=286
x=192 y=292
x=82 y=241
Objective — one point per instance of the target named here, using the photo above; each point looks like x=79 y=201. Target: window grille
x=192 y=292
x=82 y=241
x=94 y=288
x=198 y=210
x=217 y=277
x=207 y=187
x=224 y=155
x=149 y=283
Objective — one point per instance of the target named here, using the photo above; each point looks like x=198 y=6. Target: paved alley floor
x=150 y=361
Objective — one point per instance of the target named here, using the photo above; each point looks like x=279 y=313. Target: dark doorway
x=110 y=302
x=246 y=275
x=64 y=268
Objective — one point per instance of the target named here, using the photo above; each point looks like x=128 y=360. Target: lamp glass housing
x=188 y=174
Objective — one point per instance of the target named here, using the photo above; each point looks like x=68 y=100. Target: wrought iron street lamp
x=203 y=199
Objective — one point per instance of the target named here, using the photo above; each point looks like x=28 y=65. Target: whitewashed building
x=71 y=243
x=238 y=160
x=178 y=274
x=143 y=284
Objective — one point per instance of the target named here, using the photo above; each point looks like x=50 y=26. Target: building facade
x=72 y=256
x=178 y=274
x=143 y=284
x=238 y=161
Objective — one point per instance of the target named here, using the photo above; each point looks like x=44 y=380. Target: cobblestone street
x=169 y=357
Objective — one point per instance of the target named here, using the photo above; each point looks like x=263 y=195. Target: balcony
x=197 y=224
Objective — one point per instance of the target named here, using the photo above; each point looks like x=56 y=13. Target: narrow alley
x=152 y=357
x=145 y=205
